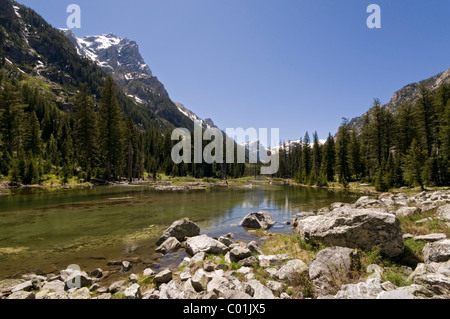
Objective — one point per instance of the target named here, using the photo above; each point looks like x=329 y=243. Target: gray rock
x=232 y=294
x=209 y=266
x=375 y=271
x=430 y=237
x=105 y=296
x=272 y=272
x=250 y=261
x=116 y=286
x=148 y=272
x=9 y=284
x=133 y=292
x=204 y=244
x=238 y=253
x=400 y=293
x=56 y=286
x=363 y=290
x=367 y=202
x=437 y=252
x=171 y=290
x=225 y=240
x=151 y=294
x=254 y=248
x=332 y=265
x=163 y=276
x=275 y=286
x=170 y=244
x=443 y=212
x=25 y=286
x=355 y=228
x=292 y=269
x=82 y=293
x=272 y=260
x=96 y=273
x=180 y=230
x=126 y=266
x=133 y=278
x=437 y=283
x=260 y=291
x=444 y=269
x=22 y=295
x=197 y=258
x=407 y=211
x=219 y=285
x=259 y=220
x=200 y=280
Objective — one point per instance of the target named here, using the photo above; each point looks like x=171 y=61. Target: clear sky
x=297 y=65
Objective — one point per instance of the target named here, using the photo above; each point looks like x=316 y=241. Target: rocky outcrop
x=355 y=228
x=259 y=220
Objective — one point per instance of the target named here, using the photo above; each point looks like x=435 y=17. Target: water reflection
x=89 y=227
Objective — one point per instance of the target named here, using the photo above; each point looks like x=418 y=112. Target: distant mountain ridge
x=408 y=93
x=121 y=58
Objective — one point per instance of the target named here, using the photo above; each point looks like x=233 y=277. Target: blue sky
x=297 y=65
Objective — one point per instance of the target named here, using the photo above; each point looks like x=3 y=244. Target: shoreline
x=284 y=248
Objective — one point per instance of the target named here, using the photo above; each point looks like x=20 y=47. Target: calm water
x=46 y=232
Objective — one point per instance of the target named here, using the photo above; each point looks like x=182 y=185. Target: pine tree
x=426 y=118
x=355 y=155
x=111 y=136
x=85 y=128
x=306 y=159
x=316 y=158
x=33 y=140
x=342 y=152
x=413 y=166
x=11 y=115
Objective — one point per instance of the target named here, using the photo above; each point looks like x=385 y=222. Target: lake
x=45 y=232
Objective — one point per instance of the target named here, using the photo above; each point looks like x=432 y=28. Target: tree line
x=95 y=141
x=408 y=148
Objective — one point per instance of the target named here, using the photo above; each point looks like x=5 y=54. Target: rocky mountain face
x=121 y=58
x=409 y=93
x=33 y=51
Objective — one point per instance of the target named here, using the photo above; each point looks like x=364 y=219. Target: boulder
x=331 y=266
x=148 y=272
x=254 y=248
x=272 y=260
x=292 y=269
x=170 y=244
x=200 y=280
x=260 y=291
x=259 y=220
x=22 y=295
x=205 y=244
x=355 y=228
x=96 y=273
x=367 y=202
x=133 y=292
x=407 y=211
x=363 y=290
x=125 y=266
x=163 y=276
x=116 y=286
x=219 y=285
x=443 y=212
x=437 y=252
x=79 y=294
x=180 y=230
x=56 y=286
x=238 y=253
x=437 y=283
x=171 y=290
x=400 y=293
x=25 y=286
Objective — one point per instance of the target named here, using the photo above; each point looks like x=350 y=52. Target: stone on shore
x=180 y=230
x=164 y=276
x=203 y=243
x=355 y=228
x=259 y=220
x=170 y=244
